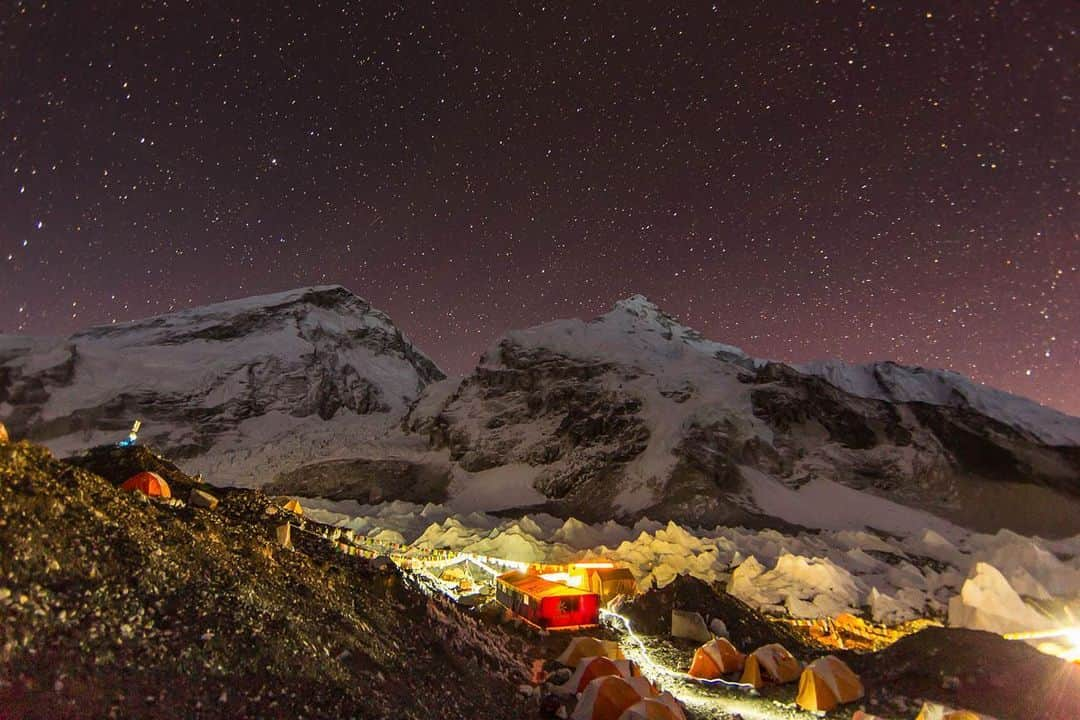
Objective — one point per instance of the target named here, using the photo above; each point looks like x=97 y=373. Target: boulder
x=203 y=499
x=689 y=625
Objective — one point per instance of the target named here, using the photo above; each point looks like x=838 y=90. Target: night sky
x=840 y=179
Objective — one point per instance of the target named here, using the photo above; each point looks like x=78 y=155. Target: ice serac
x=633 y=414
x=239 y=389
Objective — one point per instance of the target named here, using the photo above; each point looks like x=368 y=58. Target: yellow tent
x=716 y=658
x=293 y=506
x=583 y=647
x=662 y=707
x=936 y=711
x=826 y=683
x=770 y=663
x=606 y=698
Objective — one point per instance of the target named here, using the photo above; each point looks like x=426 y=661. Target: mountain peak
x=637 y=304
x=645 y=312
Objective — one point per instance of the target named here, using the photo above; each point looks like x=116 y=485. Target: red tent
x=546 y=603
x=148 y=483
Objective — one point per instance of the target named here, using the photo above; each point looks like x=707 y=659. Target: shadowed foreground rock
x=981 y=671
x=114 y=606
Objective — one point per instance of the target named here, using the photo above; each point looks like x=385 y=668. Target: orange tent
x=662 y=707
x=770 y=663
x=293 y=506
x=590 y=668
x=716 y=658
x=583 y=647
x=148 y=483
x=826 y=683
x=606 y=698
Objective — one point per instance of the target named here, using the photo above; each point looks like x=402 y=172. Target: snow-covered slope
x=901 y=384
x=239 y=389
x=633 y=414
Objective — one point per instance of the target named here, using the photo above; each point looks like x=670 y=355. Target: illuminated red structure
x=545 y=603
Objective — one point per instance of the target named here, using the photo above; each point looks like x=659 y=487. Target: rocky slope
x=119 y=607
x=238 y=389
x=633 y=414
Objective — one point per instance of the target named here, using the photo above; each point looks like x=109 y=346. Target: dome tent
x=770 y=663
x=147 y=483
x=662 y=707
x=826 y=683
x=716 y=658
x=606 y=698
x=583 y=647
x=590 y=668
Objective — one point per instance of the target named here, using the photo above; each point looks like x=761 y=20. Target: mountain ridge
x=232 y=387
x=627 y=414
x=634 y=411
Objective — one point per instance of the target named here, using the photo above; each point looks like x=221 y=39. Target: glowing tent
x=583 y=647
x=606 y=698
x=936 y=711
x=148 y=483
x=606 y=581
x=545 y=603
x=662 y=707
x=590 y=668
x=770 y=663
x=293 y=506
x=716 y=658
x=4 y=434
x=826 y=683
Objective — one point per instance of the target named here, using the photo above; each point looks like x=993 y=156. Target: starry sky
x=833 y=179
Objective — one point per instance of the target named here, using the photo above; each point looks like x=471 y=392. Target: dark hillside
x=115 y=606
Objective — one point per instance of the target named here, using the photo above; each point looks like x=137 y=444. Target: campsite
x=539 y=360
x=546 y=643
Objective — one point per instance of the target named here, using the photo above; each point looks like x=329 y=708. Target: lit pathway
x=706 y=699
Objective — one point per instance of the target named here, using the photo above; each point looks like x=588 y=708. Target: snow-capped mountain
x=633 y=414
x=629 y=415
x=238 y=390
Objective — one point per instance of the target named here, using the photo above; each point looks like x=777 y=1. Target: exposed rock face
x=366 y=481
x=633 y=414
x=919 y=453
x=238 y=387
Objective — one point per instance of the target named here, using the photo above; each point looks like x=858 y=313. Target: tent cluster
x=610 y=687
x=823 y=684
